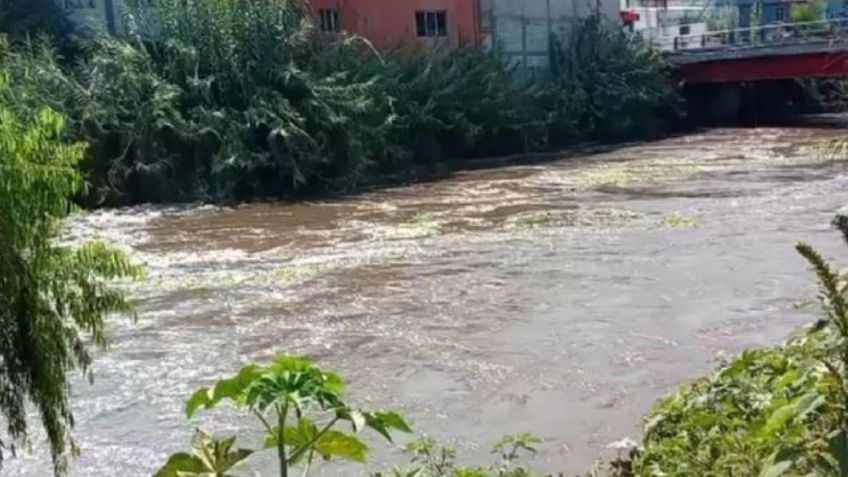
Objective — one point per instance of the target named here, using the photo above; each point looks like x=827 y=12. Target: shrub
x=780 y=411
x=300 y=408
x=51 y=295
x=608 y=86
x=225 y=99
x=807 y=12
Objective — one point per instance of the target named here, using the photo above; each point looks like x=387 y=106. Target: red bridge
x=726 y=69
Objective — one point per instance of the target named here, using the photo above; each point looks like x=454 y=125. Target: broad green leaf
x=234 y=387
x=199 y=399
x=295 y=436
x=776 y=470
x=339 y=444
x=291 y=363
x=181 y=464
x=210 y=457
x=385 y=421
x=295 y=382
x=779 y=418
x=808 y=403
x=228 y=388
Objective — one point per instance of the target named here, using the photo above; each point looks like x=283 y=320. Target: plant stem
x=263 y=420
x=281 y=440
x=308 y=463
x=315 y=438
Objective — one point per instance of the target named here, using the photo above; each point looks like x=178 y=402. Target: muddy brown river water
x=561 y=298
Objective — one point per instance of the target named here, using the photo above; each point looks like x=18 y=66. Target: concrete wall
x=521 y=30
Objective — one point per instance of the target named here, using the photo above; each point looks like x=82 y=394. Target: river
x=560 y=297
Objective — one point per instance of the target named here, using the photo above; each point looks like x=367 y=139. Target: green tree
x=807 y=12
x=53 y=297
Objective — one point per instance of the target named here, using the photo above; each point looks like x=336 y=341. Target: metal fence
x=765 y=35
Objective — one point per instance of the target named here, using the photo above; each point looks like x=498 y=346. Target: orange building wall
x=388 y=23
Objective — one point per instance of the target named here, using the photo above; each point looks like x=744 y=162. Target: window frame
x=431 y=23
x=329 y=20
x=745 y=16
x=80 y=4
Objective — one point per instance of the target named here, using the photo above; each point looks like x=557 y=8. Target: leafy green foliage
x=430 y=459
x=300 y=407
x=608 y=86
x=226 y=99
x=52 y=297
x=209 y=458
x=770 y=412
x=802 y=12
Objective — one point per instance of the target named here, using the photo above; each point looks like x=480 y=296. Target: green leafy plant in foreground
x=209 y=457
x=300 y=408
x=770 y=412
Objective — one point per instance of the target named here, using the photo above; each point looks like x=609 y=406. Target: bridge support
x=748 y=103
x=714 y=104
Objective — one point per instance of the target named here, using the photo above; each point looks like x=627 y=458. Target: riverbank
x=214 y=115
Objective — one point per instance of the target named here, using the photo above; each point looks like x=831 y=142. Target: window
x=744 y=16
x=685 y=30
x=780 y=13
x=431 y=24
x=329 y=21
x=79 y=4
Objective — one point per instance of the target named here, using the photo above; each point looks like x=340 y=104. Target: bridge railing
x=770 y=34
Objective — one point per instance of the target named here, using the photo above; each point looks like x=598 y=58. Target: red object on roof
x=629 y=16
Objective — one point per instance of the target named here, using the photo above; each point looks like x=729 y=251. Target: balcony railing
x=765 y=35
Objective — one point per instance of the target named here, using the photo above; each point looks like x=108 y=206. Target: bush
x=301 y=409
x=224 y=99
x=609 y=86
x=807 y=12
x=51 y=295
x=780 y=411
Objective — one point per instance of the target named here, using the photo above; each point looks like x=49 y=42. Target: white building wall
x=521 y=29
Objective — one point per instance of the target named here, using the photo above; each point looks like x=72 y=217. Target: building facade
x=388 y=23
x=780 y=11
x=520 y=29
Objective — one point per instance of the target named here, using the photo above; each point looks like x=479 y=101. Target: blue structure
x=778 y=11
